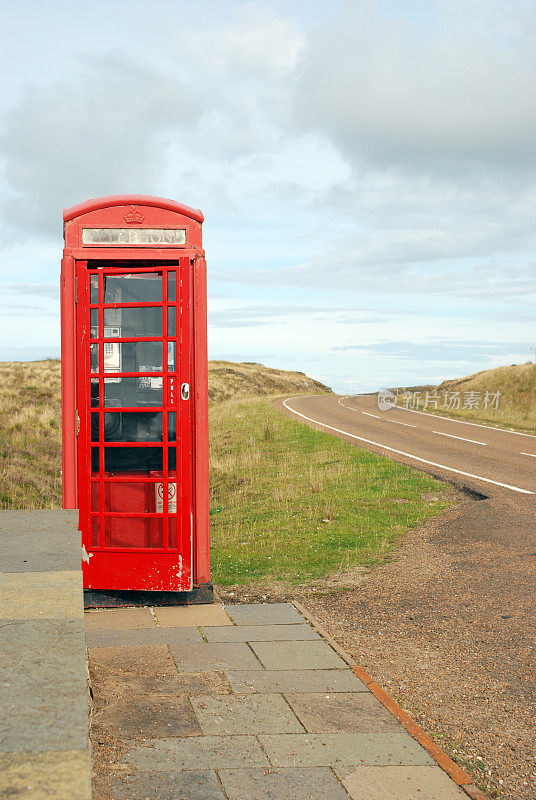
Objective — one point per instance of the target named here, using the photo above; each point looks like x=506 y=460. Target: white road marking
x=366 y=413
x=385 y=419
x=529 y=454
x=451 y=436
x=463 y=422
x=342 y=404
x=402 y=453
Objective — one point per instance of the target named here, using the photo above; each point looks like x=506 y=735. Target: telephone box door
x=135 y=427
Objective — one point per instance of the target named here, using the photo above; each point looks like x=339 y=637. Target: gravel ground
x=447 y=627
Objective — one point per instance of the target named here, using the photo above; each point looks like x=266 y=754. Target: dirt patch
x=278 y=592
x=448 y=629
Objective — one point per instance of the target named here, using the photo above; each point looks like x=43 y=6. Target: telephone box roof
x=131 y=200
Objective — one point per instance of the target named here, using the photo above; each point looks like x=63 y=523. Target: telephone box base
x=199 y=595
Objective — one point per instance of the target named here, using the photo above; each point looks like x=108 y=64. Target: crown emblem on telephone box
x=134 y=217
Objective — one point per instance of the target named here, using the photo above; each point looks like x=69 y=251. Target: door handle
x=185 y=391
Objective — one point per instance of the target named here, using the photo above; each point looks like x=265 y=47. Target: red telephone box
x=135 y=397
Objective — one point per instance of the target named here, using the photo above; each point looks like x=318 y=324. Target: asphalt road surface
x=487 y=460
x=448 y=625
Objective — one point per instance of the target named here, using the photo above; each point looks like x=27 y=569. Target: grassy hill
x=517 y=399
x=226 y=380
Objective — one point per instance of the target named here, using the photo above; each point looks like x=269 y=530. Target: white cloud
x=393 y=96
x=102 y=133
x=31 y=289
x=256 y=44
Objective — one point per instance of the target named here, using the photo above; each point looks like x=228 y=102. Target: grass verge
x=289 y=503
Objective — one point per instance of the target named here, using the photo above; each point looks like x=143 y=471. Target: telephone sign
x=135 y=397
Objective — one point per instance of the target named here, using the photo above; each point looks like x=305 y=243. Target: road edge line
x=460 y=778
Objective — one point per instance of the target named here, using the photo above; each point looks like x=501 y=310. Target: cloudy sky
x=367 y=171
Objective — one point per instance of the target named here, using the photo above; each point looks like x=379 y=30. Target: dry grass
x=227 y=380
x=517 y=401
x=30 y=435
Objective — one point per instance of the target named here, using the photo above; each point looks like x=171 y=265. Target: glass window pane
x=94 y=352
x=95 y=531
x=94 y=392
x=171 y=326
x=95 y=497
x=172 y=532
x=94 y=323
x=132 y=356
x=133 y=392
x=171 y=286
x=172 y=426
x=137 y=459
x=93 y=288
x=95 y=427
x=95 y=460
x=171 y=356
x=129 y=426
x=132 y=459
x=133 y=532
x=144 y=287
x=127 y=322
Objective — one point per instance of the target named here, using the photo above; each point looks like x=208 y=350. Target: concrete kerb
x=440 y=757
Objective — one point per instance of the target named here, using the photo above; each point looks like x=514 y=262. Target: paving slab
x=399 y=783
x=119 y=619
x=44 y=745
x=297 y=655
x=191 y=616
x=126 y=638
x=198 y=752
x=332 y=749
x=195 y=683
x=260 y=633
x=151 y=715
x=351 y=712
x=145 y=667
x=240 y=714
x=186 y=783
x=255 y=706
x=41 y=776
x=58 y=592
x=42 y=685
x=40 y=541
x=282 y=784
x=213 y=656
x=265 y=614
x=295 y=680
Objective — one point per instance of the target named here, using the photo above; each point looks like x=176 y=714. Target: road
x=486 y=460
x=448 y=625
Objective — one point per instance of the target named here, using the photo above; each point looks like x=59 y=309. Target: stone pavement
x=44 y=746
x=243 y=702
